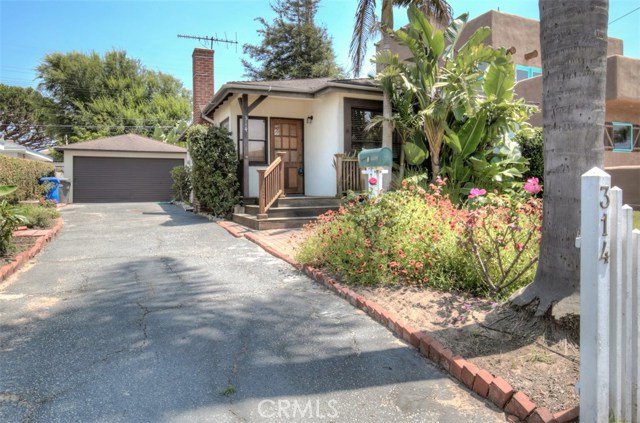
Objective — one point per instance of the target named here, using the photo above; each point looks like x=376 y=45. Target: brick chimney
x=202 y=82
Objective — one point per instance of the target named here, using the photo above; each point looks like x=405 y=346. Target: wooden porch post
x=245 y=108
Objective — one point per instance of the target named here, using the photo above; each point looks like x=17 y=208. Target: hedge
x=25 y=174
x=532 y=150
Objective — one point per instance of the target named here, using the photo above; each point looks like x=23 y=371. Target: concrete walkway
x=146 y=313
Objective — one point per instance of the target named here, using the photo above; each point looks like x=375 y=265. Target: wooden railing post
x=262 y=195
x=281 y=155
x=339 y=174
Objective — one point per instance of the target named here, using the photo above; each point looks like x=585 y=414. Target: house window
x=526 y=72
x=622 y=136
x=360 y=137
x=357 y=115
x=225 y=124
x=257 y=140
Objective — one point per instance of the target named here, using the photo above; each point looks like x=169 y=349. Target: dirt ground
x=21 y=243
x=533 y=355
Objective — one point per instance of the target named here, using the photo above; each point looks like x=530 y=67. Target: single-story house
x=123 y=168
x=307 y=121
x=11 y=149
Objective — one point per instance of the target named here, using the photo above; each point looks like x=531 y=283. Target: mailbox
x=375 y=157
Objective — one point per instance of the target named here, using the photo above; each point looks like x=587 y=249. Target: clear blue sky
x=147 y=30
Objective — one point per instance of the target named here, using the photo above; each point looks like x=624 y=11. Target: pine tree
x=292 y=47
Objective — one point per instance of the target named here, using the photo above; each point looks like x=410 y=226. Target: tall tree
x=367 y=26
x=293 y=46
x=97 y=96
x=24 y=117
x=573 y=39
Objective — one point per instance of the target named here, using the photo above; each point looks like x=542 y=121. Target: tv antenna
x=211 y=40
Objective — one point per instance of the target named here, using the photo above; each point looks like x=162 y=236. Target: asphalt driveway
x=146 y=313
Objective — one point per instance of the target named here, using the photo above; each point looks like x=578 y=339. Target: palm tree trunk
x=573 y=39
x=387 y=129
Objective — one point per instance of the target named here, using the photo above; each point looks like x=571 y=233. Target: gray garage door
x=118 y=180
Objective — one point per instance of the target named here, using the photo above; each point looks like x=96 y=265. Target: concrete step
x=297 y=211
x=272 y=222
x=308 y=201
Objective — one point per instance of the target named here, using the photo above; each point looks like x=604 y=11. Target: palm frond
x=364 y=28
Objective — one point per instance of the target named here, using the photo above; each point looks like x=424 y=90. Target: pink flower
x=477 y=192
x=373 y=181
x=532 y=186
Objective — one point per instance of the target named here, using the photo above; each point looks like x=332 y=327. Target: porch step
x=308 y=202
x=293 y=211
x=271 y=222
x=288 y=212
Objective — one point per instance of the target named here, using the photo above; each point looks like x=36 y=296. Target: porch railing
x=271 y=185
x=348 y=175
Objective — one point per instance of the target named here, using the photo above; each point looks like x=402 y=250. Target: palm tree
x=367 y=26
x=573 y=39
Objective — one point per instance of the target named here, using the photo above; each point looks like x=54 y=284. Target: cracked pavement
x=146 y=313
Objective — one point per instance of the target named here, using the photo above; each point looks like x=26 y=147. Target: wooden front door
x=286 y=136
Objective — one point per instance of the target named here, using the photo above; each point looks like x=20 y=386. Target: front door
x=286 y=136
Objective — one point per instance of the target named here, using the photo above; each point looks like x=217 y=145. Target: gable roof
x=126 y=142
x=306 y=88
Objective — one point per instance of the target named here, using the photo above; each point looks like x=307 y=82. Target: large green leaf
x=471 y=133
x=437 y=43
x=499 y=82
x=452 y=34
x=475 y=40
x=414 y=154
x=7 y=189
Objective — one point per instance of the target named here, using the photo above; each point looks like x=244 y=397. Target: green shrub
x=181 y=176
x=419 y=236
x=214 y=170
x=533 y=150
x=9 y=219
x=25 y=174
x=38 y=216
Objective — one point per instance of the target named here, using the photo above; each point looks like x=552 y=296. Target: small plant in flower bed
x=38 y=216
x=488 y=246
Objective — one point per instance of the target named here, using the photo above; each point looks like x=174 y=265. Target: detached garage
x=124 y=168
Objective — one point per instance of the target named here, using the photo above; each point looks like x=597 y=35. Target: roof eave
x=228 y=90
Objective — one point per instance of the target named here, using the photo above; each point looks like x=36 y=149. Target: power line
x=168 y=123
x=625 y=15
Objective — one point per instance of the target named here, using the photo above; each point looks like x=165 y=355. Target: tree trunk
x=573 y=39
x=387 y=128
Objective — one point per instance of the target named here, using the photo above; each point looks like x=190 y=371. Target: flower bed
x=488 y=246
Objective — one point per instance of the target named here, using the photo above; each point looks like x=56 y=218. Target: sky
x=147 y=30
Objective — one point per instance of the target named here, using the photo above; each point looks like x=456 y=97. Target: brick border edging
x=20 y=260
x=493 y=388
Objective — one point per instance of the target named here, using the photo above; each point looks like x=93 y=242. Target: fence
x=609 y=298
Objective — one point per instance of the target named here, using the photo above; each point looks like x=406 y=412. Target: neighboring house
x=11 y=149
x=307 y=120
x=123 y=168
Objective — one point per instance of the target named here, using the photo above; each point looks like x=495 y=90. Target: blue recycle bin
x=52 y=193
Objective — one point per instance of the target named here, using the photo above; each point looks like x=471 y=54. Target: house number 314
x=604 y=204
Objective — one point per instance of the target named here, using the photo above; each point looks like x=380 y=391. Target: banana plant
x=463 y=95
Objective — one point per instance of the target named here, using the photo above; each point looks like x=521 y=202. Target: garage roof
x=126 y=142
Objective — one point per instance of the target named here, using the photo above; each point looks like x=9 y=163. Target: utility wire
x=84 y=126
x=166 y=122
x=625 y=15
